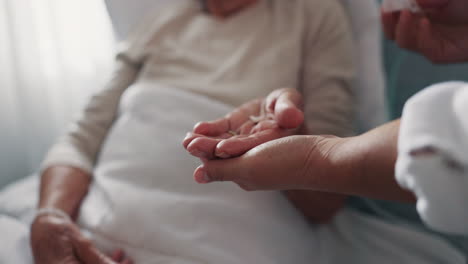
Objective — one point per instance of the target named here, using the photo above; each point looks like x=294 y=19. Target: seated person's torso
x=196 y=68
x=233 y=60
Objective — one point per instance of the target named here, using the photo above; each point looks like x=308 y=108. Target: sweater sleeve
x=80 y=145
x=328 y=70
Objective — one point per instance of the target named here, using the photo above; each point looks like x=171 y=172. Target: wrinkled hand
x=248 y=126
x=55 y=240
x=440 y=32
x=289 y=163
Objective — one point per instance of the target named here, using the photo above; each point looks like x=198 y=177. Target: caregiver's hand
x=56 y=240
x=362 y=165
x=440 y=32
x=248 y=126
x=282 y=164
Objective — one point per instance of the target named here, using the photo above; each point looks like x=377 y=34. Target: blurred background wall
x=53 y=54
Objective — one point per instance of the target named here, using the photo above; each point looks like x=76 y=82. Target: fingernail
x=223 y=155
x=201 y=176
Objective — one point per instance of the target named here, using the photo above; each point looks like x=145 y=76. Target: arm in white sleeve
x=80 y=146
x=433 y=155
x=328 y=72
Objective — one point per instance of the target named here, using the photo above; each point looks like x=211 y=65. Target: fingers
x=210 y=148
x=119 y=257
x=406 y=31
x=88 y=254
x=212 y=128
x=270 y=101
x=218 y=170
x=203 y=147
x=428 y=47
x=263 y=125
x=247 y=127
x=243 y=113
x=233 y=121
x=237 y=146
x=288 y=107
x=389 y=22
x=281 y=109
x=190 y=137
x=405 y=28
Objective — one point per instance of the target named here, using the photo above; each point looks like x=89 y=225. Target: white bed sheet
x=350 y=238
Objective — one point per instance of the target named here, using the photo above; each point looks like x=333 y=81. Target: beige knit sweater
x=304 y=44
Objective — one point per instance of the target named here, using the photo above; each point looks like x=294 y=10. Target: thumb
x=88 y=254
x=220 y=170
x=288 y=107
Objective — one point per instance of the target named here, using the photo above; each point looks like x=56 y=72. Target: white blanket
x=350 y=238
x=144 y=200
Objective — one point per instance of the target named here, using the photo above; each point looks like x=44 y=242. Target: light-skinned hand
x=56 y=240
x=248 y=126
x=282 y=164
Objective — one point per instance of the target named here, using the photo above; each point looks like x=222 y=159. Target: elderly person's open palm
x=248 y=126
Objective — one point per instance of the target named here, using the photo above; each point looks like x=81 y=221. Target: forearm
x=365 y=166
x=81 y=144
x=63 y=187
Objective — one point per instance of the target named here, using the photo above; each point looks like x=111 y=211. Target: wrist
x=350 y=157
x=365 y=165
x=52 y=212
x=345 y=165
x=63 y=187
x=330 y=164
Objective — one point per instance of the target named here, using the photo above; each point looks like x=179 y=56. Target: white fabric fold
x=433 y=155
x=144 y=200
